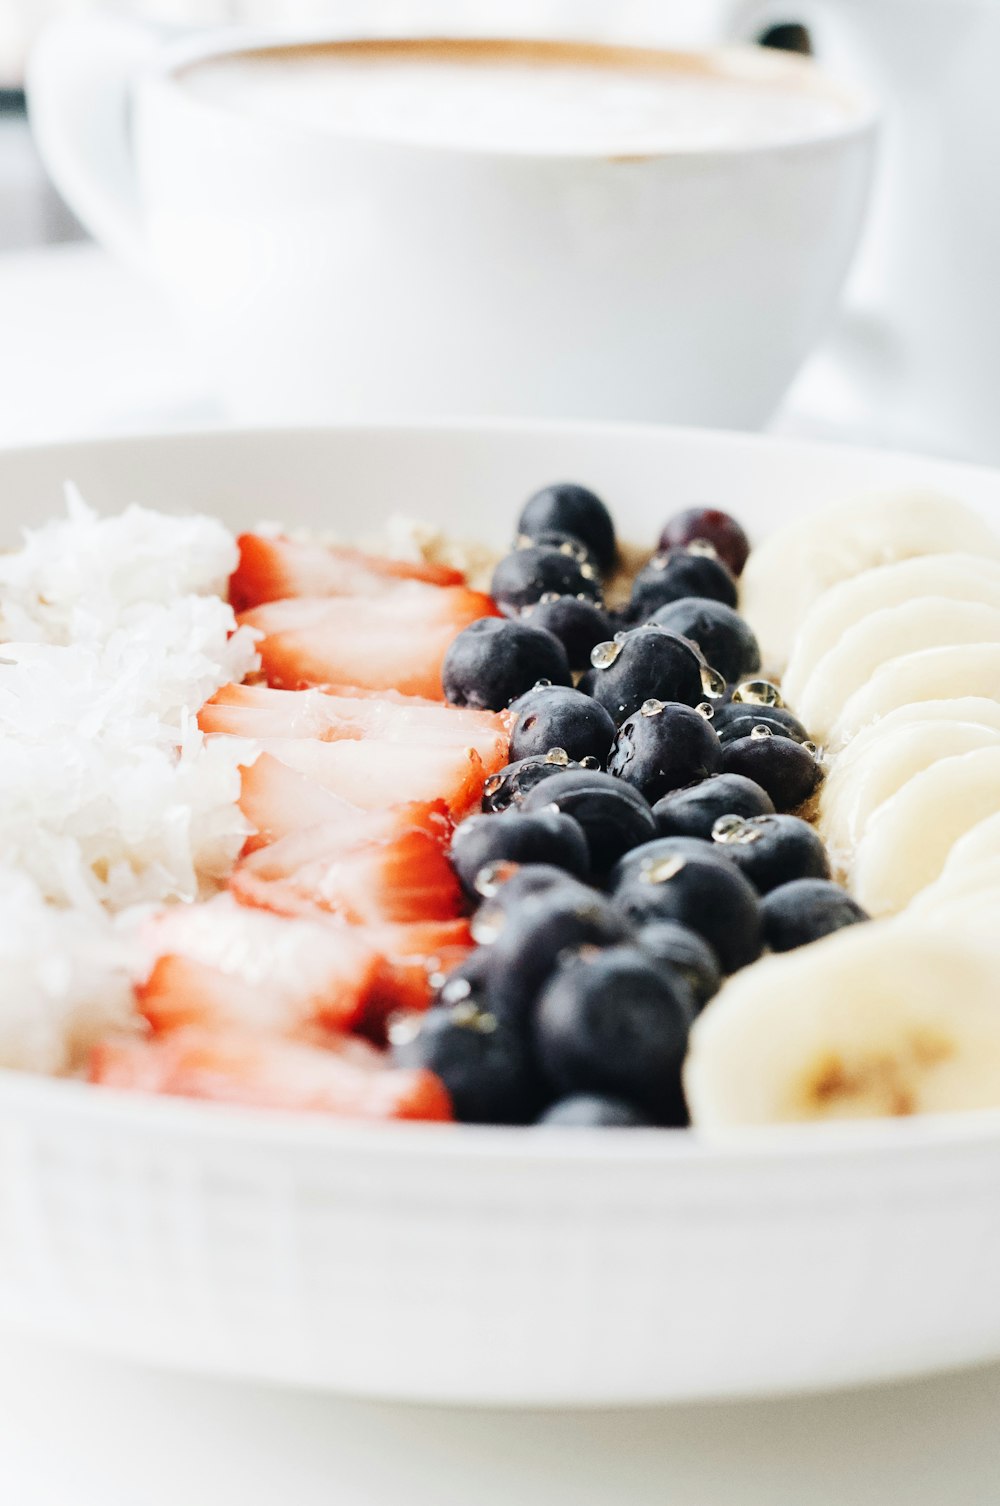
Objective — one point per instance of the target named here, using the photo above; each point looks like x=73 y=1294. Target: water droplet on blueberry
x=733 y=829
x=705 y=709
x=661 y=870
x=403 y=1026
x=758 y=693
x=652 y=707
x=486 y=924
x=761 y=731
x=454 y=991
x=493 y=876
x=603 y=655
x=712 y=683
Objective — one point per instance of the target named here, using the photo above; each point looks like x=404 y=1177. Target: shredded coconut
x=66 y=979
x=115 y=634
x=75 y=578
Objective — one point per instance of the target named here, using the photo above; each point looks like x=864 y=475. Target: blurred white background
x=31 y=213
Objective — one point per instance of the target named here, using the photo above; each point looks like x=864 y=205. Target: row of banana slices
x=882 y=621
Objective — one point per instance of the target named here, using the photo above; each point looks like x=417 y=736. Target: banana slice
x=874 y=1021
x=971 y=871
x=855 y=788
x=908 y=839
x=968 y=917
x=964 y=577
x=788 y=571
x=932 y=674
x=981 y=844
x=924 y=622
x=973 y=710
x=973 y=886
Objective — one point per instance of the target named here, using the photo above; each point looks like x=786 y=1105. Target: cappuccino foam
x=552 y=98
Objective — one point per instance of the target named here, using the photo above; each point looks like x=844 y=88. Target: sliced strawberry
x=374 y=775
x=258 y=711
x=397 y=641
x=404 y=879
x=414 y=956
x=220 y=963
x=271 y=568
x=241 y=1067
x=276 y=800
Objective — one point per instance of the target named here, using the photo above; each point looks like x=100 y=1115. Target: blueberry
x=706 y=894
x=735 y=720
x=545 y=837
x=470 y=976
x=677 y=947
x=578 y=623
x=772 y=850
x=484 y=1061
x=531 y=935
x=664 y=746
x=645 y=664
x=723 y=636
x=511 y=785
x=564 y=542
x=789 y=771
x=568 y=508
x=694 y=812
x=680 y=572
x=556 y=716
x=614 y=816
x=524 y=577
x=635 y=864
x=806 y=910
x=594 y=1111
x=614 y=1022
x=495 y=659
x=706 y=525
x=514 y=885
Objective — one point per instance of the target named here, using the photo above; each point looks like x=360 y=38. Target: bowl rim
x=27 y=1095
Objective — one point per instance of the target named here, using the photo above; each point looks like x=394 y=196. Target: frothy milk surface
x=528 y=97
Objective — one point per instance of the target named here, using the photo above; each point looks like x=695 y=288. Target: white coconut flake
x=66 y=979
x=115 y=634
x=75 y=578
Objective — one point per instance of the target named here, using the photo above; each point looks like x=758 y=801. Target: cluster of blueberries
x=640 y=845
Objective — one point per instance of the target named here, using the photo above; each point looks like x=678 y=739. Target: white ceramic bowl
x=490 y=1266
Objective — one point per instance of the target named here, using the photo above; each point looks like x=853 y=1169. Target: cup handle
x=79 y=82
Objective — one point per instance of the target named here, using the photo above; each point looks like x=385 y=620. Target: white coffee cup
x=917 y=361
x=325 y=276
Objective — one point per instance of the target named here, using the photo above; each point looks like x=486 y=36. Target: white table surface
x=84 y=348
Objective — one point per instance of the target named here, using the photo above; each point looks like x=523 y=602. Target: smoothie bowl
x=329 y=857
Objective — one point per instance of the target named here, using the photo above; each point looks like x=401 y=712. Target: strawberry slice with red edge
x=273 y=567
x=415 y=957
x=376 y=775
x=276 y=801
x=241 y=1067
x=220 y=963
x=259 y=711
x=403 y=879
x=397 y=641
